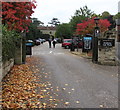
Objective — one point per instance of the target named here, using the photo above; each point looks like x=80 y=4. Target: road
x=79 y=82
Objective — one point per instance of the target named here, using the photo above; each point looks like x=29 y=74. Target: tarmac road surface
x=79 y=82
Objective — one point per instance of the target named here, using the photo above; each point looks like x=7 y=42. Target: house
x=48 y=30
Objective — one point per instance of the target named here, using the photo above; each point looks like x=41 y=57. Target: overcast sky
x=64 y=9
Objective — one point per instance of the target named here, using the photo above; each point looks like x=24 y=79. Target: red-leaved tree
x=87 y=27
x=17 y=15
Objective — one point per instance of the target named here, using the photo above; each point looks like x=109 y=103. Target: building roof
x=47 y=28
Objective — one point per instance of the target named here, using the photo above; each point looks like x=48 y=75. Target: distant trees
x=105 y=15
x=33 y=31
x=82 y=22
x=64 y=31
x=110 y=18
x=86 y=27
x=54 y=22
x=82 y=14
x=117 y=16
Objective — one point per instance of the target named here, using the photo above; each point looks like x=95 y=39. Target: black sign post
x=28 y=49
x=107 y=42
x=95 y=41
x=95 y=45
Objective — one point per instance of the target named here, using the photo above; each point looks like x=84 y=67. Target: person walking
x=49 y=43
x=54 y=42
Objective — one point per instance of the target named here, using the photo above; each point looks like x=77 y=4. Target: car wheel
x=67 y=47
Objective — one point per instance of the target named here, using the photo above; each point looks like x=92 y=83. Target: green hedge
x=9 y=42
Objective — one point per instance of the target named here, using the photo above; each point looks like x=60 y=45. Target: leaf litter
x=19 y=88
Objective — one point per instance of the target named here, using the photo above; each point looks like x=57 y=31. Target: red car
x=66 y=43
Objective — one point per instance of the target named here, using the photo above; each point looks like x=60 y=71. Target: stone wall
x=107 y=56
x=6 y=67
x=118 y=39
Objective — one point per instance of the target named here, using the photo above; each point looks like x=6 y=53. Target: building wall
x=48 y=32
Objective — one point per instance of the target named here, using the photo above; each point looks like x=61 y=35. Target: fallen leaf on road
x=19 y=88
x=72 y=89
x=57 y=89
x=63 y=88
x=66 y=103
x=66 y=84
x=77 y=102
x=101 y=106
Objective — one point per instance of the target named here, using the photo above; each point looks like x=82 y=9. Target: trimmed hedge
x=10 y=39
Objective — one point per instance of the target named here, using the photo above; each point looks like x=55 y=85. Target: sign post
x=95 y=42
x=104 y=42
x=28 y=49
x=87 y=44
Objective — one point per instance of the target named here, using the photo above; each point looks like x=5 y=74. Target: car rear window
x=67 y=41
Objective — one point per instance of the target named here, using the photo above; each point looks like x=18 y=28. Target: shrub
x=9 y=42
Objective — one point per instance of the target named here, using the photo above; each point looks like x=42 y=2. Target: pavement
x=65 y=80
x=89 y=56
x=84 y=55
x=76 y=81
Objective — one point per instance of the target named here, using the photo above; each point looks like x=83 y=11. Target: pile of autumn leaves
x=19 y=89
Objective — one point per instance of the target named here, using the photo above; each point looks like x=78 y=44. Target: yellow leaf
x=66 y=103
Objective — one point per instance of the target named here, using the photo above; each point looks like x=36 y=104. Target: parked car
x=30 y=42
x=44 y=40
x=37 y=42
x=66 y=43
x=41 y=40
x=76 y=42
x=58 y=40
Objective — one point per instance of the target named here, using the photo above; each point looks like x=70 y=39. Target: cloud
x=64 y=9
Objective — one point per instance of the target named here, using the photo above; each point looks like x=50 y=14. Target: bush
x=9 y=42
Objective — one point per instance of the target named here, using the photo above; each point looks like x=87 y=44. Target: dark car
x=37 y=42
x=58 y=40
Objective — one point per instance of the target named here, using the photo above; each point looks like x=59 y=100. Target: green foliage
x=54 y=22
x=34 y=33
x=9 y=42
x=84 y=11
x=105 y=15
x=80 y=15
x=63 y=31
x=76 y=20
x=117 y=16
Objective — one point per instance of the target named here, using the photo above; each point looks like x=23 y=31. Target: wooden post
x=18 y=53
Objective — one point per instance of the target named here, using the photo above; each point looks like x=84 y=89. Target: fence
x=6 y=67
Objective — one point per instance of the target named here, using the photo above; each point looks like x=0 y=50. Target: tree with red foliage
x=17 y=14
x=87 y=27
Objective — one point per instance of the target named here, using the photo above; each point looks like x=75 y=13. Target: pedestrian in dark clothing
x=54 y=43
x=49 y=43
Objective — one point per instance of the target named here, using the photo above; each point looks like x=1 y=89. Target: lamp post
x=95 y=42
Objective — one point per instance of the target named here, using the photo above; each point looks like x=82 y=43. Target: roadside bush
x=9 y=42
